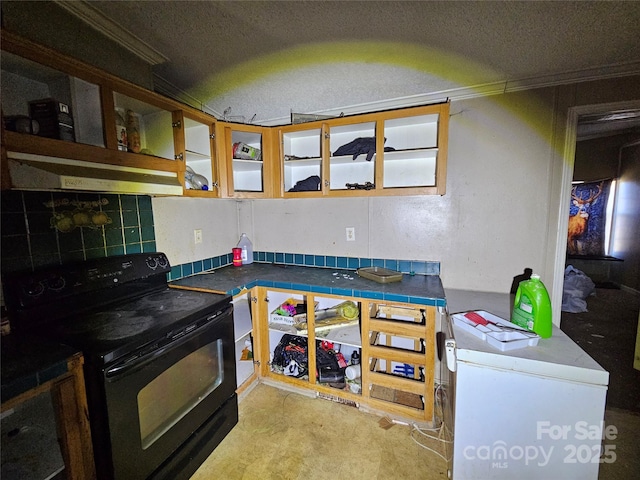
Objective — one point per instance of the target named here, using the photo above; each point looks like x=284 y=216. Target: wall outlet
x=197 y=236
x=351 y=234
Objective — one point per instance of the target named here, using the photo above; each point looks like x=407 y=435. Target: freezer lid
x=557 y=357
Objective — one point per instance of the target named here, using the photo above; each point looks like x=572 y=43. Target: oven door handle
x=133 y=361
x=147 y=354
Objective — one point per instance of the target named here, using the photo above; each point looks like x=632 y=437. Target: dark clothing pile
x=360 y=146
x=309 y=184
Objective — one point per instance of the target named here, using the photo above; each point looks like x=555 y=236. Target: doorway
x=607 y=330
x=573 y=116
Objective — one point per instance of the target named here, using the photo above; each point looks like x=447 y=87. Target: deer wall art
x=586 y=202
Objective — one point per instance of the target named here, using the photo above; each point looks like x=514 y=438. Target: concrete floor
x=626 y=464
x=607 y=332
x=283 y=435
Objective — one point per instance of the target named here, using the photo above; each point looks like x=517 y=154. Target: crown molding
x=453 y=94
x=95 y=19
x=577 y=76
x=481 y=90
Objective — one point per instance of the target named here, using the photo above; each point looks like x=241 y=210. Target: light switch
x=197 y=236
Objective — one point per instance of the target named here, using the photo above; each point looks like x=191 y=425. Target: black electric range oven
x=159 y=362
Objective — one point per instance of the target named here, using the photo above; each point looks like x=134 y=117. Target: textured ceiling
x=262 y=60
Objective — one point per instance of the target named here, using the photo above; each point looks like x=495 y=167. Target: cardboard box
x=54 y=119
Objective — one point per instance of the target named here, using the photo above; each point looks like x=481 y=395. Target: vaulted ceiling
x=260 y=61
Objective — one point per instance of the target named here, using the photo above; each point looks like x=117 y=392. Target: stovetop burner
x=180 y=300
x=111 y=331
x=159 y=362
x=107 y=307
x=110 y=326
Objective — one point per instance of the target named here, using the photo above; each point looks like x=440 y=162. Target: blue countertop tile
x=418 y=289
x=28 y=363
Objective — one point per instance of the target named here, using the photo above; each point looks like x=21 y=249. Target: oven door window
x=177 y=390
x=156 y=401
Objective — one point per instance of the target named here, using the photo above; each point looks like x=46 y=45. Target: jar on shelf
x=133 y=132
x=121 y=130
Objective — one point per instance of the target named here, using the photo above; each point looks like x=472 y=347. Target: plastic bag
x=577 y=287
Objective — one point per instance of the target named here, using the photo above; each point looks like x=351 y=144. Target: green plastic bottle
x=532 y=307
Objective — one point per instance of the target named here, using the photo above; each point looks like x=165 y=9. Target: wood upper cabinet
x=246 y=160
x=399 y=152
x=301 y=158
x=99 y=118
x=195 y=142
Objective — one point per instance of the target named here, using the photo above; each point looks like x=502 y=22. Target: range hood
x=39 y=172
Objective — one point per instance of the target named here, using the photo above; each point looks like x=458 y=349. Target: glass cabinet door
x=200 y=171
x=411 y=151
x=302 y=160
x=353 y=156
x=148 y=128
x=41 y=101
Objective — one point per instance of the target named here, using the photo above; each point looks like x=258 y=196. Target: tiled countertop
x=416 y=289
x=28 y=363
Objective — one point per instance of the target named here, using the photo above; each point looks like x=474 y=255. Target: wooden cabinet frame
x=108 y=84
x=421 y=331
x=378 y=119
x=222 y=184
x=224 y=142
x=180 y=143
x=72 y=418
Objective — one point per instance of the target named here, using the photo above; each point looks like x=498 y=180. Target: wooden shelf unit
x=402 y=336
x=381 y=325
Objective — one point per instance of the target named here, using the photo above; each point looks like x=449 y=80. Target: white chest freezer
x=531 y=413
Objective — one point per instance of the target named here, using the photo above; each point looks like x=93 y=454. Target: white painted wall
x=499 y=215
x=627 y=227
x=486 y=229
x=175 y=219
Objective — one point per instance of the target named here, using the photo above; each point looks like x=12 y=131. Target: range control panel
x=99 y=276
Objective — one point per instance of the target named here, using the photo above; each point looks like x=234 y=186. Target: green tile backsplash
x=49 y=228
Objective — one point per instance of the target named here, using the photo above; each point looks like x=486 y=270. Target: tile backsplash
x=412 y=267
x=49 y=228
